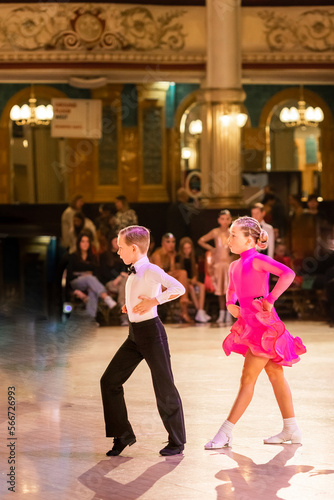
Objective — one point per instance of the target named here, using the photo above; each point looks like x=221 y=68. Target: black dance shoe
x=171 y=449
x=120 y=444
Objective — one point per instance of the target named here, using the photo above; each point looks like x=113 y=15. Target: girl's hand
x=124 y=309
x=145 y=305
x=266 y=305
x=234 y=310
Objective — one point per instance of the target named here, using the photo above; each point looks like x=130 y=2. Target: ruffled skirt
x=265 y=335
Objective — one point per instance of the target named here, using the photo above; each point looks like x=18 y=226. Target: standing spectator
x=295 y=206
x=179 y=215
x=258 y=212
x=221 y=259
x=74 y=206
x=82 y=223
x=275 y=214
x=125 y=216
x=103 y=225
x=186 y=260
x=81 y=274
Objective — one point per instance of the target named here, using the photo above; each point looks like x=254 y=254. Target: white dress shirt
x=147 y=281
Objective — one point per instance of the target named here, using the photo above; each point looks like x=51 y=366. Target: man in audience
x=74 y=206
x=258 y=213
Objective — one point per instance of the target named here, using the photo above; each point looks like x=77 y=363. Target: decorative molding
x=311 y=30
x=295 y=35
x=71 y=36
x=87 y=27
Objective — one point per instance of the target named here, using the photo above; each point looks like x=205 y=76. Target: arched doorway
x=301 y=149
x=30 y=156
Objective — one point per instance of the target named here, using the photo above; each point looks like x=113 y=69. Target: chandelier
x=301 y=116
x=30 y=114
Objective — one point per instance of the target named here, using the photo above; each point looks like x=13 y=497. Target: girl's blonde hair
x=136 y=235
x=251 y=227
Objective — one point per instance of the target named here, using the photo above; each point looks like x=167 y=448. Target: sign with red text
x=76 y=118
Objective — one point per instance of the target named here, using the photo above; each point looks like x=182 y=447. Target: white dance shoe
x=221 y=317
x=229 y=319
x=201 y=316
x=295 y=437
x=221 y=440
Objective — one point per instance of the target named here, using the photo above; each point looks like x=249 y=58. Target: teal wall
x=256 y=98
x=259 y=95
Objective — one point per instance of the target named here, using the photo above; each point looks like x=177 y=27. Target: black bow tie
x=131 y=270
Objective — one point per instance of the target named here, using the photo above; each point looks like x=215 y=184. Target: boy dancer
x=147 y=340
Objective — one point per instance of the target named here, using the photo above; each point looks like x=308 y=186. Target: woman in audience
x=82 y=223
x=81 y=274
x=186 y=260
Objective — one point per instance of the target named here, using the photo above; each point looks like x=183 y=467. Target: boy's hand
x=234 y=310
x=124 y=309
x=145 y=305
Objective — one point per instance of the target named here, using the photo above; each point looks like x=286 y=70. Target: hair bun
x=262 y=241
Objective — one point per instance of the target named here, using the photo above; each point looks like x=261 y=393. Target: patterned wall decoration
x=311 y=30
x=152 y=146
x=89 y=27
x=296 y=35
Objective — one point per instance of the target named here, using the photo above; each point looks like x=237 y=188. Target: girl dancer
x=259 y=335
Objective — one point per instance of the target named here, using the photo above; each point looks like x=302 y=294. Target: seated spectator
x=81 y=274
x=281 y=255
x=164 y=257
x=151 y=247
x=75 y=205
x=113 y=273
x=186 y=260
x=82 y=223
x=258 y=212
x=125 y=216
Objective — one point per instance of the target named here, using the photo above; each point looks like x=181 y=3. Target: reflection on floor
x=60 y=447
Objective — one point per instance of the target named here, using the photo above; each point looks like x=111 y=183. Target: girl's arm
x=207 y=237
x=284 y=273
x=231 y=296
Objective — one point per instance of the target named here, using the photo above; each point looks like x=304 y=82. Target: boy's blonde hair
x=136 y=235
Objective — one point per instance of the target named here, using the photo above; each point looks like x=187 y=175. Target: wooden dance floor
x=58 y=444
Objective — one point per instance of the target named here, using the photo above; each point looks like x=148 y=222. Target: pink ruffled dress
x=260 y=331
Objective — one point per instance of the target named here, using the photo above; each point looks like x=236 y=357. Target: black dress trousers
x=147 y=340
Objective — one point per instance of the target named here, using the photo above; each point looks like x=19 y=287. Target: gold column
x=221 y=98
